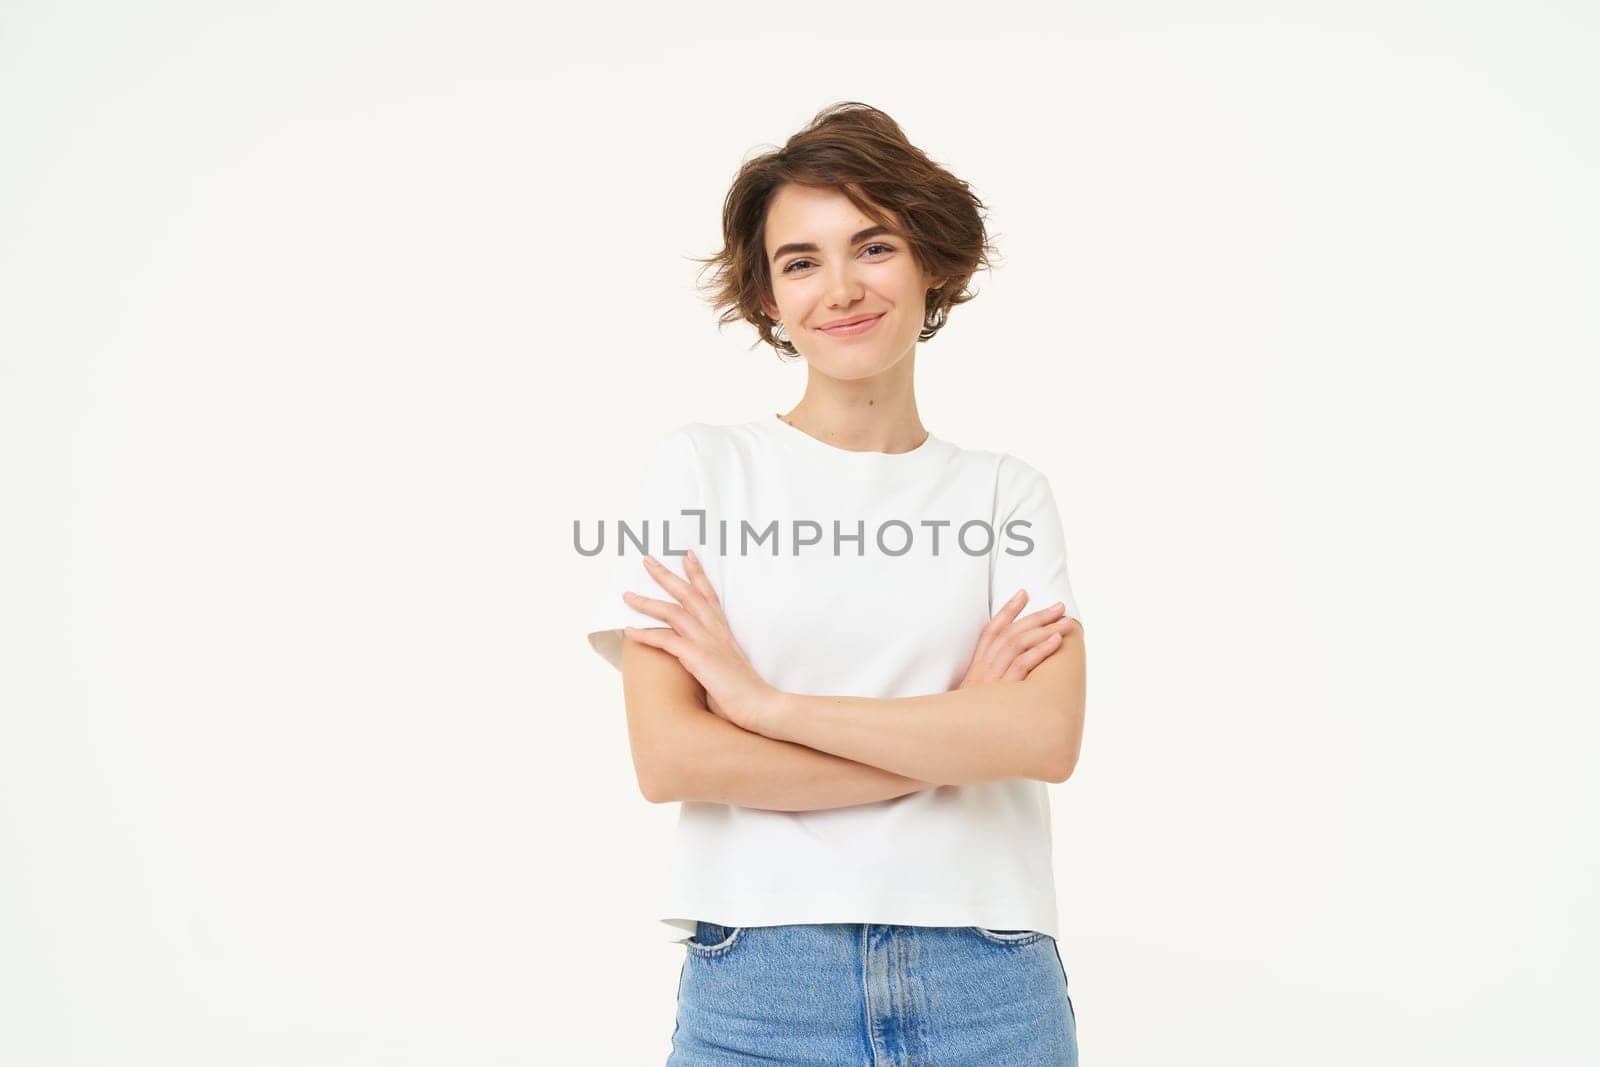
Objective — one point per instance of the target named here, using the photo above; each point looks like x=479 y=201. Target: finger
x=710 y=608
x=688 y=595
x=997 y=642
x=690 y=592
x=666 y=577
x=1025 y=663
x=1034 y=634
x=672 y=614
x=1039 y=618
x=997 y=645
x=1065 y=626
x=1032 y=628
x=656 y=637
x=1008 y=612
x=698 y=578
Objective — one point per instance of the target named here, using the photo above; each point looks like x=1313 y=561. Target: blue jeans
x=869 y=995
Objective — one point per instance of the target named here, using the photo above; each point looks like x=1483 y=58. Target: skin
x=860 y=391
x=684 y=751
x=1019 y=712
x=1013 y=727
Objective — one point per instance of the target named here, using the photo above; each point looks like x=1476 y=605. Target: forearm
x=984 y=733
x=718 y=761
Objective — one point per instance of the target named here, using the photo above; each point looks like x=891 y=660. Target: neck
x=875 y=414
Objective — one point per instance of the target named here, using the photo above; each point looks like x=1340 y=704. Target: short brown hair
x=862 y=152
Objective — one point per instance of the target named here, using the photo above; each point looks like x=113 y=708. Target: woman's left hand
x=698 y=634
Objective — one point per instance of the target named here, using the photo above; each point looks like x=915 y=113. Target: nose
x=841 y=289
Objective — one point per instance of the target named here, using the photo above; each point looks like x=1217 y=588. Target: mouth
x=850 y=329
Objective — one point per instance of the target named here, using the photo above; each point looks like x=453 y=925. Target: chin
x=850 y=369
x=850 y=364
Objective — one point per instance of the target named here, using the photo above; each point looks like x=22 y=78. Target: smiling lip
x=850 y=329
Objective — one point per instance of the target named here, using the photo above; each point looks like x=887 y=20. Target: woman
x=824 y=658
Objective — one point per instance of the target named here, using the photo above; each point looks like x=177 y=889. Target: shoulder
x=699 y=438
x=683 y=443
x=1020 y=471
x=1020 y=485
x=704 y=451
x=1006 y=466
x=1014 y=465
x=718 y=451
x=671 y=460
x=1011 y=479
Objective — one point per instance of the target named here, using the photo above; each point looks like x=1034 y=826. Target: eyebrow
x=855 y=239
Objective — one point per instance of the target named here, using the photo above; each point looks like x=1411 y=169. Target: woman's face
x=845 y=268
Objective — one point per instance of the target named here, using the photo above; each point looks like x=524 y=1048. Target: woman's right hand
x=1009 y=648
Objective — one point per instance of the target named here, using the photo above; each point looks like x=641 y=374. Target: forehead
x=811 y=213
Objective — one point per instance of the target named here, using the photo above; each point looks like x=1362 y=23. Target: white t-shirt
x=896 y=612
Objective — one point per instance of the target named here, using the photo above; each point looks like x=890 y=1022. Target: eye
x=793 y=264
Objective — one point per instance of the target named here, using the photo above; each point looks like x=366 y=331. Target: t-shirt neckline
x=799 y=438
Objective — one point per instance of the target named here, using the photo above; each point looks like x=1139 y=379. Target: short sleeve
x=670 y=485
x=1030 y=550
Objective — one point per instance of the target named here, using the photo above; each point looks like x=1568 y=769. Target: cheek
x=794 y=299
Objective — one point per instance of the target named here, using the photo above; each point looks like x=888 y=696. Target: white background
x=321 y=323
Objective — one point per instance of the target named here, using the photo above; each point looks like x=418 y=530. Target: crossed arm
x=766 y=749
x=1030 y=728
x=681 y=751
